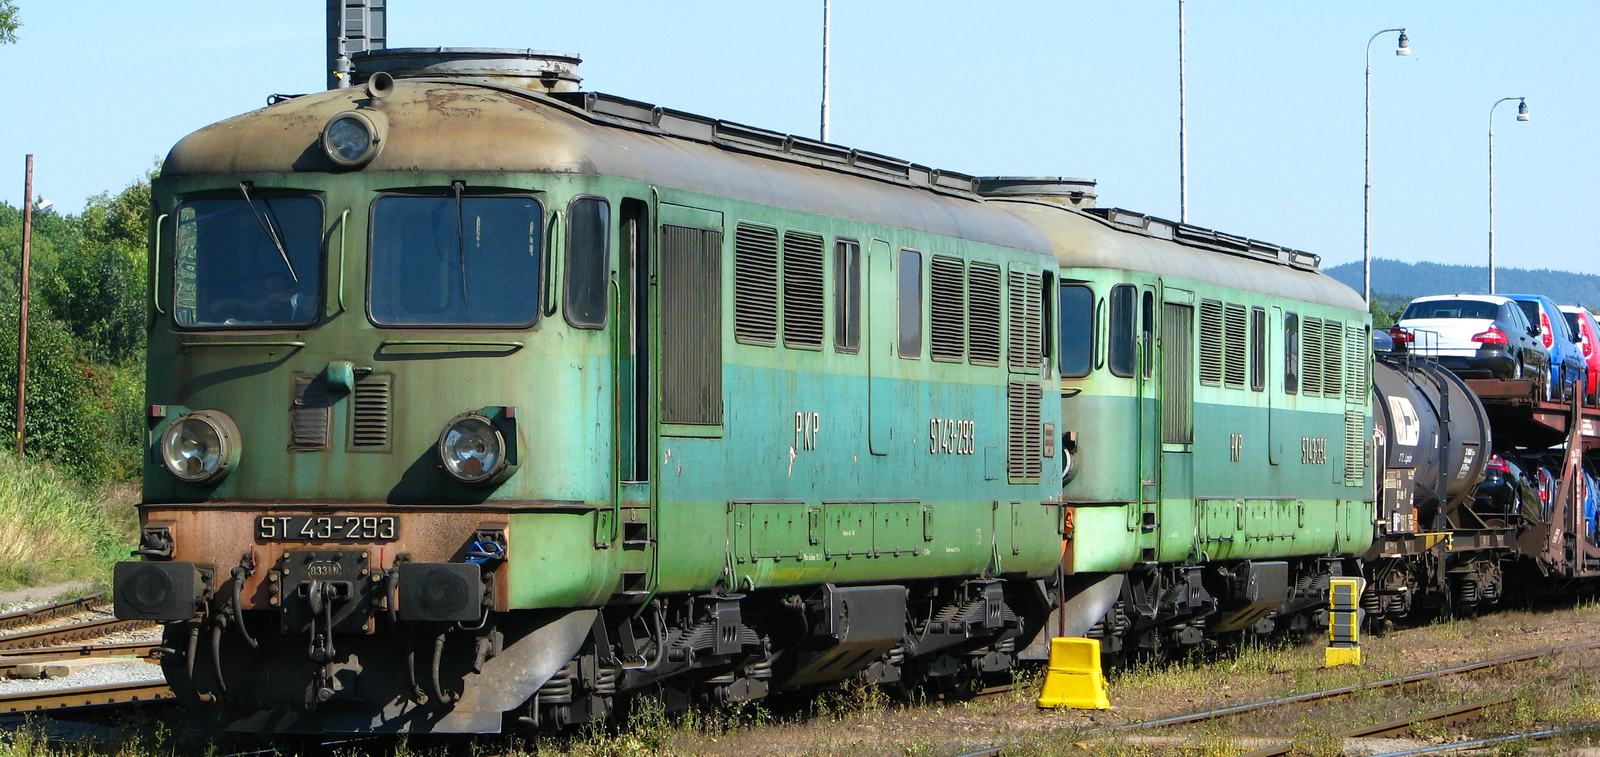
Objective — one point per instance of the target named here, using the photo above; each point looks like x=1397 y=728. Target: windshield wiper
x=272 y=231
x=461 y=237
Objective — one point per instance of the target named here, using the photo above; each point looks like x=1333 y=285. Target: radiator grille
x=755 y=285
x=1333 y=359
x=1026 y=316
x=1311 y=355
x=802 y=291
x=691 y=326
x=1356 y=341
x=369 y=426
x=1355 y=448
x=1211 y=342
x=948 y=304
x=983 y=331
x=311 y=414
x=1023 y=439
x=1177 y=373
x=1237 y=326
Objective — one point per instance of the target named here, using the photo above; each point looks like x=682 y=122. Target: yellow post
x=1344 y=622
x=1074 y=679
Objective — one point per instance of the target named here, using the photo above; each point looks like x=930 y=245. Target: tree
x=8 y=22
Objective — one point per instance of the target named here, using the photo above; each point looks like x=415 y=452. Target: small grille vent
x=369 y=425
x=1333 y=359
x=1237 y=324
x=1356 y=363
x=1211 y=339
x=1024 y=337
x=802 y=291
x=1311 y=355
x=983 y=331
x=310 y=415
x=948 y=302
x=1023 y=434
x=755 y=285
x=1355 y=448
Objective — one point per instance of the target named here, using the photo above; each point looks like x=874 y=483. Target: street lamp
x=1522 y=115
x=1366 y=206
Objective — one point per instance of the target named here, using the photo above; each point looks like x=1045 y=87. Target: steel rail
x=1534 y=735
x=52 y=610
x=50 y=637
x=1388 y=683
x=10 y=659
x=1452 y=716
x=116 y=694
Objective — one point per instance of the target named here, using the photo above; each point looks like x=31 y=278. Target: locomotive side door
x=1149 y=401
x=880 y=344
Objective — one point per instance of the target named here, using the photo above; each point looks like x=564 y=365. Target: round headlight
x=472 y=449
x=201 y=447
x=351 y=138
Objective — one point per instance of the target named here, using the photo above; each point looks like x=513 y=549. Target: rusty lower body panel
x=342 y=619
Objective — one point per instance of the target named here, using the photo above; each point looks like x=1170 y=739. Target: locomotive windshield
x=255 y=263
x=455 y=260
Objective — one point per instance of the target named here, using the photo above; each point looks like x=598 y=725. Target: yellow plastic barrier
x=1344 y=622
x=1074 y=679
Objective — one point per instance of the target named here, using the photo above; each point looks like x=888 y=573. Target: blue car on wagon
x=1566 y=359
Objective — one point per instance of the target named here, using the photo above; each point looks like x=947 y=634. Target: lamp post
x=1366 y=205
x=1522 y=115
x=1183 y=125
x=827 y=32
x=22 y=318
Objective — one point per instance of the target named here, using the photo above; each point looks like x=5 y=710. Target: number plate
x=327 y=527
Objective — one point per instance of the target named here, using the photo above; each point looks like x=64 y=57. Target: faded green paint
x=921 y=513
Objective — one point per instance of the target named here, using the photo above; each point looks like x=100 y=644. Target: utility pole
x=354 y=26
x=827 y=31
x=22 y=320
x=1183 y=125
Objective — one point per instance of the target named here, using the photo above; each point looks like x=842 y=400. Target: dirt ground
x=1553 y=692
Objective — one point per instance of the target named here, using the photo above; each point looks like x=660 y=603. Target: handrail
x=344 y=219
x=242 y=343
x=155 y=267
x=553 y=247
x=448 y=343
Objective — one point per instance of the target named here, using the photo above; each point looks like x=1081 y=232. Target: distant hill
x=1407 y=280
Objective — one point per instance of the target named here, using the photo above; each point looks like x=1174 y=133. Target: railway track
x=116 y=694
x=52 y=611
x=1450 y=716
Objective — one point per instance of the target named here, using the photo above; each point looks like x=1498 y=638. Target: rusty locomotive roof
x=1117 y=239
x=465 y=125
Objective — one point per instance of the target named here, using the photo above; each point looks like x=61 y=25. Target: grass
x=54 y=530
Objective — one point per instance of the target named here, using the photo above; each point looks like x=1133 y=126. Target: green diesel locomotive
x=476 y=400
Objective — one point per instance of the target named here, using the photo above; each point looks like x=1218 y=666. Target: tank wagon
x=475 y=400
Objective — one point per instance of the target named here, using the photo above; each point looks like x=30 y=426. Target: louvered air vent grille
x=1211 y=342
x=1177 y=376
x=948 y=305
x=802 y=291
x=691 y=326
x=1311 y=355
x=311 y=414
x=1333 y=359
x=1355 y=449
x=1023 y=440
x=1355 y=360
x=983 y=333
x=369 y=425
x=1025 y=327
x=755 y=285
x=1237 y=326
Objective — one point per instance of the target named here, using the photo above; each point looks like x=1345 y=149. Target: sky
x=99 y=90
